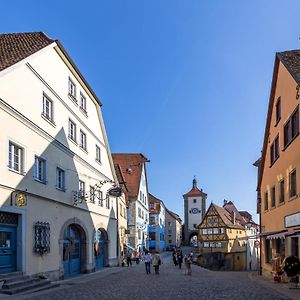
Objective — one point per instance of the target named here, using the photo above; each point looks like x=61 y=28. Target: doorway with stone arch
x=73 y=248
x=100 y=248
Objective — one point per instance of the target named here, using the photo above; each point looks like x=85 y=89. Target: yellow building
x=222 y=238
x=278 y=181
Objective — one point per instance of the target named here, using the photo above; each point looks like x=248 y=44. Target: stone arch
x=84 y=244
x=105 y=235
x=193 y=237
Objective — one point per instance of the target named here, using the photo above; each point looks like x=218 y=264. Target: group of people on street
x=179 y=258
x=154 y=259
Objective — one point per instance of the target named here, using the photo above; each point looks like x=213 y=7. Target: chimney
x=233 y=217
x=224 y=202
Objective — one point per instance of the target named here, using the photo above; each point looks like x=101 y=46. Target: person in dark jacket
x=179 y=258
x=175 y=258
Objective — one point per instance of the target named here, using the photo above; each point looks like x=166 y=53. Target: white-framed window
x=15 y=157
x=82 y=188
x=72 y=130
x=72 y=89
x=100 y=198
x=98 y=154
x=82 y=143
x=92 y=194
x=107 y=201
x=47 y=107
x=60 y=179
x=82 y=102
x=40 y=169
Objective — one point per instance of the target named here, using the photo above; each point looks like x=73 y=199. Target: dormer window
x=72 y=89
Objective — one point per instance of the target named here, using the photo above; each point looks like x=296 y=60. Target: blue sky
x=184 y=82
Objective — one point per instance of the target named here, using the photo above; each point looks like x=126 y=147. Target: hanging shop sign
x=20 y=199
x=115 y=192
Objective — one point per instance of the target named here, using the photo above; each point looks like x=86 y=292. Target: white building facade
x=56 y=170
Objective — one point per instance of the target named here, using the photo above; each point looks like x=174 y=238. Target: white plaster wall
x=22 y=89
x=194 y=218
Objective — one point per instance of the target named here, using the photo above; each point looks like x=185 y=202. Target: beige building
x=173 y=229
x=222 y=238
x=279 y=167
x=56 y=212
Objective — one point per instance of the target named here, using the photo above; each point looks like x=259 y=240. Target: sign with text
x=292 y=220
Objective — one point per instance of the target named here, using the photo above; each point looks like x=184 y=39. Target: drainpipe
x=118 y=238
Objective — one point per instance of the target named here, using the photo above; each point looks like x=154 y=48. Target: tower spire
x=194 y=182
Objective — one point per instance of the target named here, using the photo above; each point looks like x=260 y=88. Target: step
x=21 y=282
x=16 y=278
x=41 y=288
x=41 y=283
x=5 y=276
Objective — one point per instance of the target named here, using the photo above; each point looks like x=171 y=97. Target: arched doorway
x=73 y=250
x=193 y=241
x=100 y=249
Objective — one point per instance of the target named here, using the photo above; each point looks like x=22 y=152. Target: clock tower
x=194 y=211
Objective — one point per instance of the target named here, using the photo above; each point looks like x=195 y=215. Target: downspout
x=118 y=238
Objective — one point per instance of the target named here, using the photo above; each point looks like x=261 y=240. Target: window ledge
x=17 y=172
x=293 y=198
x=40 y=181
x=73 y=99
x=83 y=111
x=50 y=121
x=84 y=150
x=287 y=145
x=74 y=142
x=281 y=203
x=273 y=207
x=99 y=162
x=277 y=121
x=59 y=189
x=274 y=161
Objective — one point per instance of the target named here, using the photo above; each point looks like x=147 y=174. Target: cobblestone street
x=133 y=283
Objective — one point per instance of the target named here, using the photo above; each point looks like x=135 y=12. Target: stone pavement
x=171 y=283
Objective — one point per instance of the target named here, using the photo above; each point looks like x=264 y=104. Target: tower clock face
x=195 y=211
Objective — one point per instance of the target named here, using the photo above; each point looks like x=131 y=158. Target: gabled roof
x=246 y=215
x=131 y=166
x=291 y=61
x=174 y=215
x=16 y=46
x=224 y=215
x=230 y=207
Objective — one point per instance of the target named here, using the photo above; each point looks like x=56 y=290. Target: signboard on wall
x=292 y=220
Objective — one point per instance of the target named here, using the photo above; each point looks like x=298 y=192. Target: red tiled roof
x=16 y=46
x=195 y=192
x=131 y=166
x=226 y=217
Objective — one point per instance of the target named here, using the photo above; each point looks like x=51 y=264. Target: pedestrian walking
x=188 y=265
x=147 y=259
x=156 y=262
x=175 y=258
x=128 y=259
x=179 y=258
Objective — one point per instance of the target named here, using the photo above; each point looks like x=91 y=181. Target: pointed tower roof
x=195 y=191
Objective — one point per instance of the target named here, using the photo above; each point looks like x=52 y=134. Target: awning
x=293 y=233
x=280 y=235
x=273 y=234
